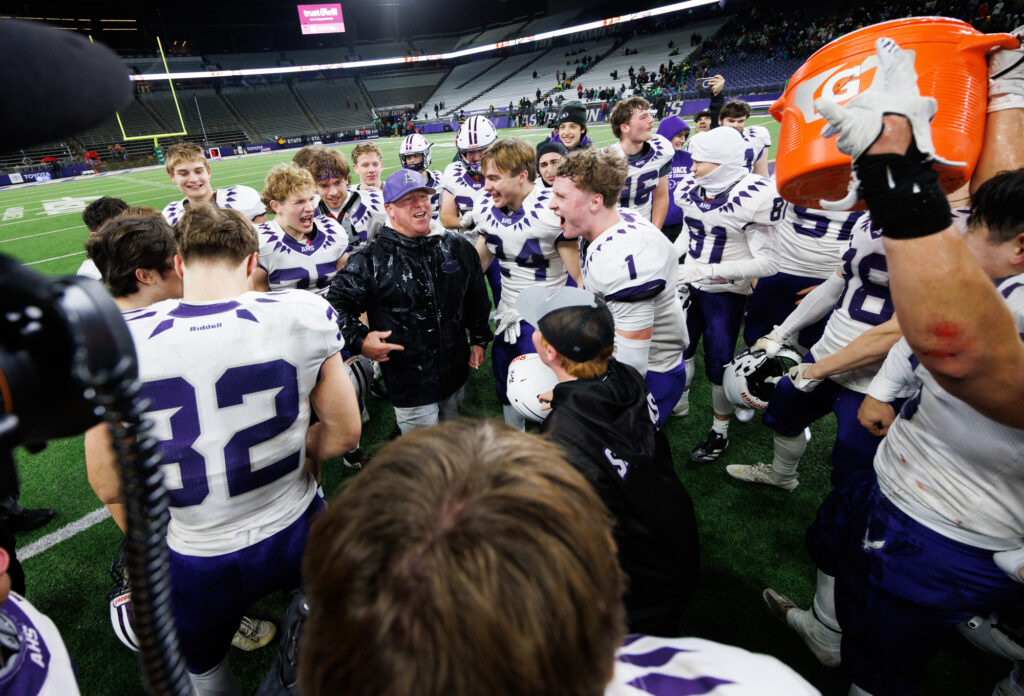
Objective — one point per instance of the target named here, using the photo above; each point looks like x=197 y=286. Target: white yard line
x=64 y=533
x=33 y=263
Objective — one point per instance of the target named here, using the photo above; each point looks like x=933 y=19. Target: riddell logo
x=842 y=83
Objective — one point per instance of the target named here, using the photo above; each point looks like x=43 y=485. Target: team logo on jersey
x=841 y=83
x=450 y=266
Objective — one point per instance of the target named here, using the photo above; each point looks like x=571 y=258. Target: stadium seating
x=459 y=85
x=401 y=88
x=508 y=81
x=556 y=61
x=154 y=64
x=202 y=109
x=374 y=49
x=326 y=99
x=241 y=61
x=270 y=109
x=318 y=56
x=757 y=75
x=429 y=46
x=136 y=120
x=548 y=23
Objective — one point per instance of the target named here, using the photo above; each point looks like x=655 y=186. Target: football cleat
x=120 y=601
x=415 y=144
x=750 y=378
x=476 y=133
x=819 y=638
x=762 y=473
x=253 y=634
x=711 y=449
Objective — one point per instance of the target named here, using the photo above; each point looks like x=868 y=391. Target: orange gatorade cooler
x=950 y=63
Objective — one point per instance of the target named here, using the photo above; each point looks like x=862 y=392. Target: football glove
x=691 y=272
x=771 y=343
x=1006 y=77
x=467 y=222
x=1011 y=562
x=507 y=323
x=796 y=376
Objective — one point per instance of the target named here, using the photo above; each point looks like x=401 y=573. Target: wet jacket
x=606 y=427
x=429 y=292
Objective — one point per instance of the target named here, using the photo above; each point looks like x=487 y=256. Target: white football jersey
x=864 y=302
x=306 y=266
x=948 y=466
x=645 y=170
x=812 y=242
x=523 y=243
x=633 y=267
x=719 y=229
x=43 y=665
x=464 y=187
x=654 y=666
x=228 y=384
x=433 y=177
x=245 y=200
x=367 y=214
x=88 y=269
x=758 y=141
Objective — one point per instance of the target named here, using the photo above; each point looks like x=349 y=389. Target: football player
x=729 y=215
x=629 y=264
x=368 y=163
x=520 y=233
x=649 y=158
x=360 y=212
x=187 y=166
x=298 y=248
x=229 y=377
x=94 y=216
x=414 y=154
x=810 y=247
x=734 y=114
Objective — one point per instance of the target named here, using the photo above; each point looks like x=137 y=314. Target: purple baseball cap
x=402 y=182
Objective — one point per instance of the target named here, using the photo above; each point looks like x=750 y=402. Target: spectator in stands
x=469 y=551
x=571 y=127
x=549 y=154
x=676 y=131
x=423 y=294
x=368 y=161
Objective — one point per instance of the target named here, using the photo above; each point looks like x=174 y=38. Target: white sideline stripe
x=66 y=532
x=33 y=263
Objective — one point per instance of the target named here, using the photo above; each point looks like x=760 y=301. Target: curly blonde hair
x=285 y=179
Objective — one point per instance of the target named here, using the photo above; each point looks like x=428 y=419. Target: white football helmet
x=360 y=371
x=750 y=378
x=414 y=144
x=120 y=601
x=528 y=377
x=476 y=133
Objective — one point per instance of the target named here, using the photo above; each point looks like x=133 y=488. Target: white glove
x=691 y=272
x=796 y=376
x=1011 y=562
x=770 y=343
x=467 y=222
x=507 y=323
x=683 y=291
x=893 y=91
x=1006 y=77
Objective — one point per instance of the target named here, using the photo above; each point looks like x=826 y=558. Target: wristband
x=902 y=193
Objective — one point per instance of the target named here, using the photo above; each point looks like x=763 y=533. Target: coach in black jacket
x=603 y=417
x=422 y=293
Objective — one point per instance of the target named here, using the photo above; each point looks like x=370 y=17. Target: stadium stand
x=154 y=64
x=326 y=99
x=651 y=51
x=459 y=85
x=241 y=61
x=394 y=89
x=202 y=109
x=137 y=121
x=271 y=110
x=430 y=45
x=508 y=81
x=467 y=40
x=548 y=23
x=557 y=61
x=376 y=49
x=498 y=34
x=317 y=56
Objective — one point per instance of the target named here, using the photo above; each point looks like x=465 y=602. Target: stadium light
x=611 y=21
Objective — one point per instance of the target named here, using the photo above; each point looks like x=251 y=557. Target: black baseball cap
x=574 y=321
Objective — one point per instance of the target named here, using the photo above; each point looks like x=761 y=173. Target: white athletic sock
x=720 y=426
x=825 y=601
x=218 y=681
x=514 y=418
x=719 y=401
x=691 y=365
x=788 y=451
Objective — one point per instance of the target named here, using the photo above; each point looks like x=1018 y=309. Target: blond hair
x=364 y=148
x=284 y=180
x=511 y=155
x=184 y=152
x=597 y=171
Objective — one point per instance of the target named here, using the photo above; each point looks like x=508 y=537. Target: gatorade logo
x=842 y=83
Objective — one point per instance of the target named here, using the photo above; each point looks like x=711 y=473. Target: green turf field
x=752 y=537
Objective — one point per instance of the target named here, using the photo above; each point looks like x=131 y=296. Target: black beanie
x=574 y=112
x=547 y=146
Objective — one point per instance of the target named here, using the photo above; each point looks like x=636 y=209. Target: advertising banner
x=321 y=19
